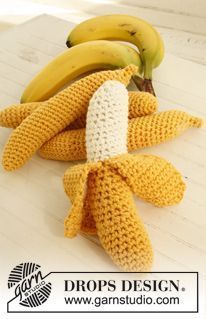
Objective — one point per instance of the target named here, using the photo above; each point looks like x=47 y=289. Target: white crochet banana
x=101 y=199
x=107 y=122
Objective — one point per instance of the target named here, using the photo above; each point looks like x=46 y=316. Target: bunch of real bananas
x=90 y=49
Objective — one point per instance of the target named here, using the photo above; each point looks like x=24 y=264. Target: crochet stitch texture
x=56 y=114
x=101 y=190
x=140 y=104
x=142 y=132
x=147 y=131
x=107 y=121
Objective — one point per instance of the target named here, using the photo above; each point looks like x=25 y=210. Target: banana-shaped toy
x=140 y=104
x=89 y=56
x=101 y=190
x=142 y=132
x=55 y=114
x=124 y=28
x=144 y=128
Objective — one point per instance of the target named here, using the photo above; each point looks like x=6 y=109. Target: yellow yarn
x=157 y=128
x=102 y=203
x=138 y=171
x=101 y=190
x=151 y=178
x=119 y=227
x=140 y=104
x=142 y=132
x=76 y=185
x=56 y=114
x=13 y=115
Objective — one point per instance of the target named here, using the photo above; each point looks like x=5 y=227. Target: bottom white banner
x=62 y=292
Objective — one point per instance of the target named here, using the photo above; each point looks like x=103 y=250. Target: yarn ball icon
x=30 y=287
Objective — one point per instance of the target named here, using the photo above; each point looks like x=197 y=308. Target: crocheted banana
x=142 y=132
x=101 y=190
x=140 y=104
x=55 y=114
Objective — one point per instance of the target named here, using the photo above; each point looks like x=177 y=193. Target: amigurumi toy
x=101 y=190
x=55 y=114
x=142 y=132
x=57 y=128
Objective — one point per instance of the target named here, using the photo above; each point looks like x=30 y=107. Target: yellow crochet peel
x=55 y=114
x=101 y=190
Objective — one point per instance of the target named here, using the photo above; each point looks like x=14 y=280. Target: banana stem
x=143 y=84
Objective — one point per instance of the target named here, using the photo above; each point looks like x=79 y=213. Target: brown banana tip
x=68 y=44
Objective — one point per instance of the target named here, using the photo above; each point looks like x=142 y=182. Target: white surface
x=33 y=204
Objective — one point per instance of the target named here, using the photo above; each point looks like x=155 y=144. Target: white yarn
x=107 y=122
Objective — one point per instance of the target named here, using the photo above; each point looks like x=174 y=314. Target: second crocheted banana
x=142 y=132
x=55 y=114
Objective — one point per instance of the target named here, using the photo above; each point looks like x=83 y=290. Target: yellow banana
x=124 y=28
x=76 y=61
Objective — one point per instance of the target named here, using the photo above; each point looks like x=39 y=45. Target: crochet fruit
x=124 y=28
x=56 y=114
x=140 y=104
x=101 y=190
x=97 y=119
x=70 y=64
x=142 y=132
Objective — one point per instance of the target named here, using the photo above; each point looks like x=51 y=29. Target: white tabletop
x=32 y=201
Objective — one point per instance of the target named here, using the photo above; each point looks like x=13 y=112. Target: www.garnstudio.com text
x=125 y=286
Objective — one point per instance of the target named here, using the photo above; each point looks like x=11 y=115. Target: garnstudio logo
x=29 y=285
